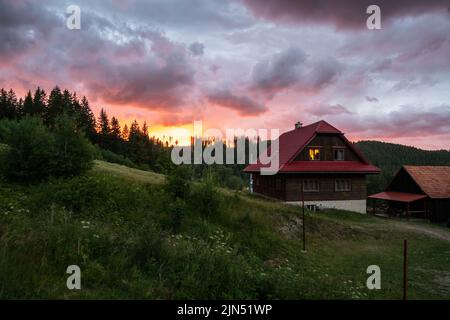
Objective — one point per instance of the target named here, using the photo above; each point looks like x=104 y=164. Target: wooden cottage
x=419 y=190
x=318 y=165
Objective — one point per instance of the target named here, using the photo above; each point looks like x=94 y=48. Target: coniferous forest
x=133 y=146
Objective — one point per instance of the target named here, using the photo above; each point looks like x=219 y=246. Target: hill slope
x=118 y=228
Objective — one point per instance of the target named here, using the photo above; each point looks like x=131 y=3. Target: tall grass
x=136 y=240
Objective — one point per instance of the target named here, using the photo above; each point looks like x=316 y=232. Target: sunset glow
x=241 y=64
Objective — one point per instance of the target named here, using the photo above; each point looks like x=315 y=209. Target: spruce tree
x=54 y=107
x=39 y=102
x=125 y=133
x=28 y=104
x=104 y=130
x=87 y=118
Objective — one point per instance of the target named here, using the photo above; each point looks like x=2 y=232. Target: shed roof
x=433 y=180
x=398 y=196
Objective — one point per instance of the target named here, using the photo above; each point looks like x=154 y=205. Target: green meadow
x=136 y=236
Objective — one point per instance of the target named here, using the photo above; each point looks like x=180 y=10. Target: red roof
x=293 y=142
x=433 y=180
x=398 y=196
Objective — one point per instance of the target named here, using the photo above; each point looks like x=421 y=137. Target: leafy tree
x=31 y=149
x=73 y=152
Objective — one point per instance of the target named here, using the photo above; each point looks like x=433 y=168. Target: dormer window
x=314 y=154
x=339 y=154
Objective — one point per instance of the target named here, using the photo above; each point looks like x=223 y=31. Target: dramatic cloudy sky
x=242 y=63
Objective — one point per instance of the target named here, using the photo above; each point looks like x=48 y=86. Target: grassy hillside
x=391 y=157
x=117 y=225
x=126 y=173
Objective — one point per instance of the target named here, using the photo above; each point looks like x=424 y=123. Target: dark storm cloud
x=324 y=72
x=153 y=79
x=414 y=82
x=279 y=72
x=406 y=121
x=371 y=99
x=22 y=28
x=291 y=68
x=342 y=14
x=113 y=60
x=326 y=110
x=197 y=48
x=243 y=105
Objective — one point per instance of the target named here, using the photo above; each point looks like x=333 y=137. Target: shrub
x=147 y=247
x=73 y=152
x=35 y=153
x=99 y=195
x=177 y=211
x=31 y=150
x=205 y=198
x=234 y=182
x=112 y=157
x=178 y=182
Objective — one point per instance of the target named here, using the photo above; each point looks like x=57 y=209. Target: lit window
x=339 y=154
x=310 y=185
x=342 y=185
x=314 y=154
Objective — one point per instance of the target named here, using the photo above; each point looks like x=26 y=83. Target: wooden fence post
x=405 y=268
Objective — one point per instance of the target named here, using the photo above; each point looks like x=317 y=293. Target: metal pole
x=303 y=219
x=405 y=267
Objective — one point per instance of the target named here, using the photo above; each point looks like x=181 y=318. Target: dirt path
x=435 y=232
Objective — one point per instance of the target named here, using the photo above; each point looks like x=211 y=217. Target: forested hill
x=389 y=157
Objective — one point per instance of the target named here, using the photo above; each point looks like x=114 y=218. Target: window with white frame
x=310 y=185
x=342 y=185
x=339 y=154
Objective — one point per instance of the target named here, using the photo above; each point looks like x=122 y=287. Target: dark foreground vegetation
x=171 y=238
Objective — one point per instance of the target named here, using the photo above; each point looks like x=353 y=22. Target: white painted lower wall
x=349 y=205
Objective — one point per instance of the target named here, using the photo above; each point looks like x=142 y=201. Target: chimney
x=298 y=125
